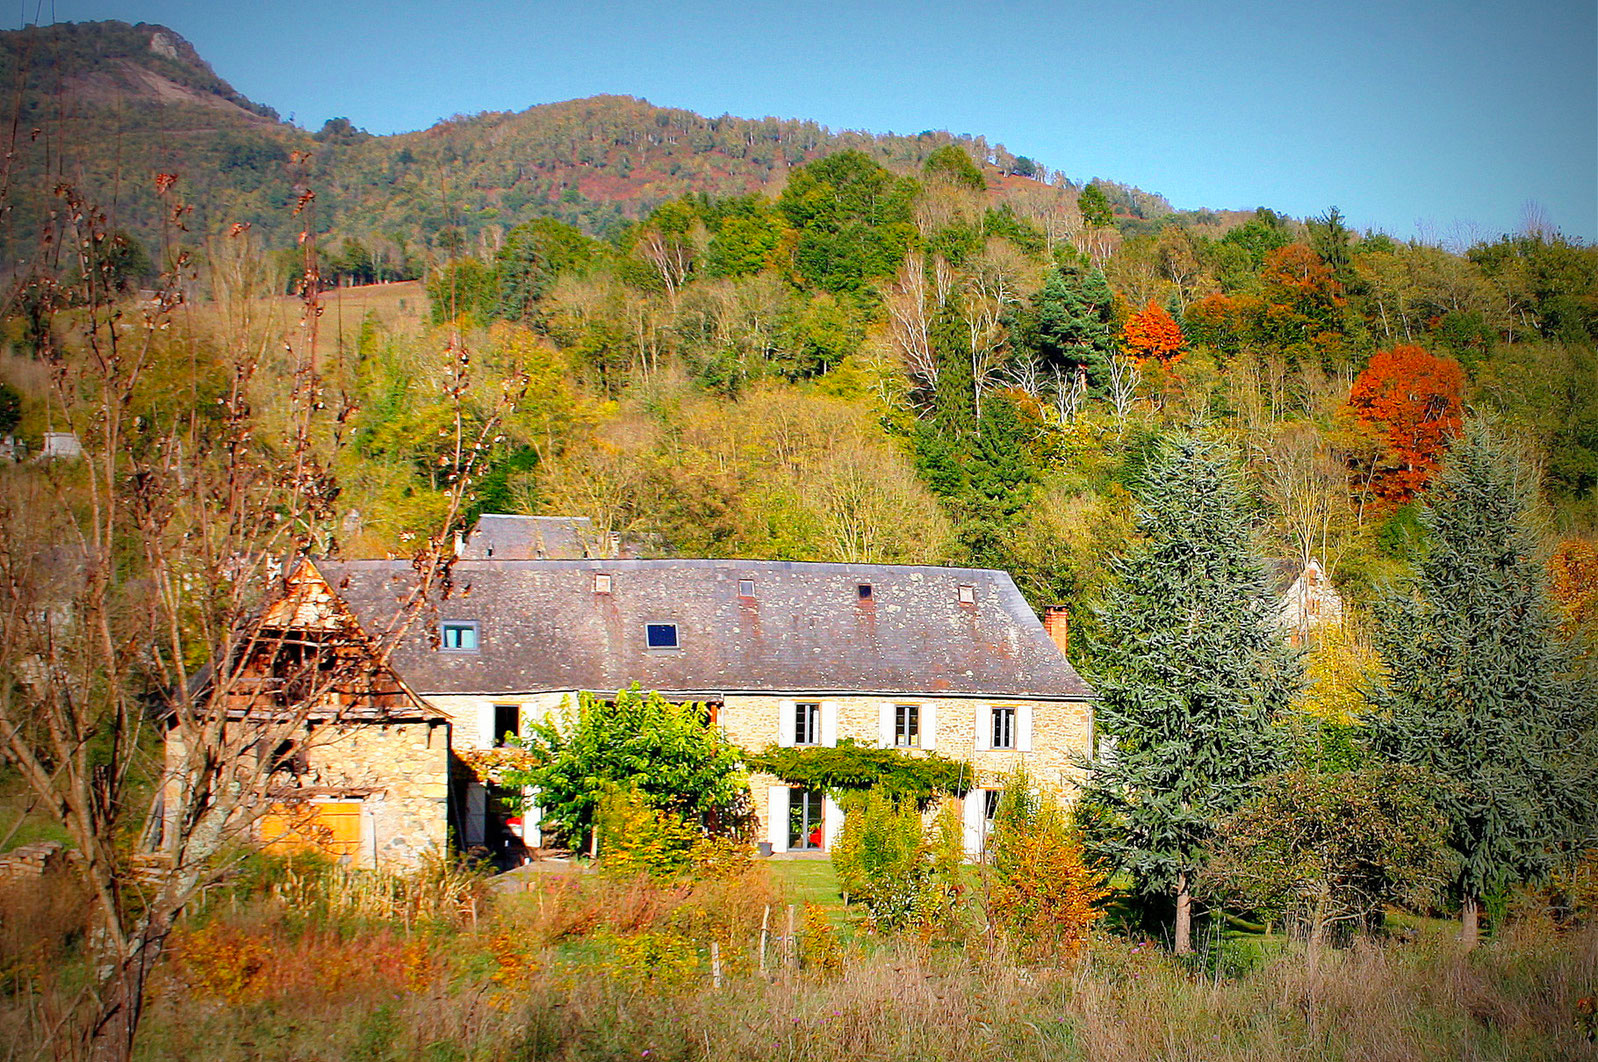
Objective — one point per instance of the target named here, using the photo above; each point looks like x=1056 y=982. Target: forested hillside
x=764 y=338
x=107 y=106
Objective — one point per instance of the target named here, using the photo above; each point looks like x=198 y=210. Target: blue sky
x=1438 y=120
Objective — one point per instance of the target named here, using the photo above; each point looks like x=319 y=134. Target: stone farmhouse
x=950 y=660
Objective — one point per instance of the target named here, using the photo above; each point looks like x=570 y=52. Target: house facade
x=925 y=659
x=950 y=660
x=1308 y=599
x=354 y=764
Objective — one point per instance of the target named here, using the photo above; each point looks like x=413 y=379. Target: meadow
x=307 y=961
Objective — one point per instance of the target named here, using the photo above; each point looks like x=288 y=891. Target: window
x=804 y=820
x=746 y=588
x=458 y=636
x=864 y=590
x=601 y=584
x=807 y=724
x=507 y=723
x=907 y=725
x=1003 y=728
x=968 y=595
x=990 y=803
x=660 y=635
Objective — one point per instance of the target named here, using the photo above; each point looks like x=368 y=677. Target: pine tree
x=1195 y=670
x=1483 y=688
x=1069 y=322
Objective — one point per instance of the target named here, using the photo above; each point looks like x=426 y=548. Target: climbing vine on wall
x=852 y=766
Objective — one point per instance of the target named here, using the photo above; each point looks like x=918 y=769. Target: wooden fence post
x=790 y=950
x=765 y=928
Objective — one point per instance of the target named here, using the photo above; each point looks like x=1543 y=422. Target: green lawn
x=807 y=881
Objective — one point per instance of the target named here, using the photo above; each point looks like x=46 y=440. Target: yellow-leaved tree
x=1041 y=892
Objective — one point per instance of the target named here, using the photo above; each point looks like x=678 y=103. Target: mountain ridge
x=115 y=103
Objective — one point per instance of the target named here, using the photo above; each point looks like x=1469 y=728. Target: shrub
x=1042 y=894
x=635 y=837
x=818 y=944
x=1328 y=851
x=882 y=859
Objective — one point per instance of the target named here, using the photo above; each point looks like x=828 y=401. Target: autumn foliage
x=1153 y=333
x=1573 y=570
x=1415 y=398
x=1043 y=892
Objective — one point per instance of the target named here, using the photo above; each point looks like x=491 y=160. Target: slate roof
x=804 y=629
x=506 y=537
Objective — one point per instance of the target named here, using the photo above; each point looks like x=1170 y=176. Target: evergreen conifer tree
x=1195 y=669
x=1069 y=323
x=1483 y=689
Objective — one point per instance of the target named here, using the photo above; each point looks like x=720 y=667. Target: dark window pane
x=1003 y=728
x=807 y=724
x=507 y=723
x=661 y=635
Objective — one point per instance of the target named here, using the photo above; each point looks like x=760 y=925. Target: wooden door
x=330 y=827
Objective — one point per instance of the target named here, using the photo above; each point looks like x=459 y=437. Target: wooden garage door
x=333 y=827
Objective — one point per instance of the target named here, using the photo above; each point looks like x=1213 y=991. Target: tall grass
x=1513 y=1000
x=326 y=965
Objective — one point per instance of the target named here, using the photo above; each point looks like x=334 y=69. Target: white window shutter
x=829 y=723
x=777 y=817
x=1023 y=726
x=532 y=819
x=983 y=721
x=476 y=814
x=885 y=725
x=831 y=822
x=972 y=822
x=485 y=726
x=929 y=726
x=785 y=711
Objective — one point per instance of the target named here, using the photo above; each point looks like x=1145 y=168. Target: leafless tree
x=1307 y=488
x=1125 y=375
x=1068 y=394
x=137 y=589
x=910 y=321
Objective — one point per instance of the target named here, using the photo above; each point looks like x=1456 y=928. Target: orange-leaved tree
x=1416 y=398
x=1153 y=333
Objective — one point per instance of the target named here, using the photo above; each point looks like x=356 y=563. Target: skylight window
x=864 y=591
x=968 y=595
x=660 y=635
x=601 y=584
x=746 y=588
x=457 y=636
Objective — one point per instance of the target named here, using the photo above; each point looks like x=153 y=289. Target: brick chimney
x=1056 y=620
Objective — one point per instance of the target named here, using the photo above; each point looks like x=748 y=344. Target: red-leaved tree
x=1153 y=333
x=1416 y=399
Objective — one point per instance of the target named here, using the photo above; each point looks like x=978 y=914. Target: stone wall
x=407 y=766
x=474 y=714
x=399 y=772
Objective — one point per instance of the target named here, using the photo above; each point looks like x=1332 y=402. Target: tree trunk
x=1184 y=916
x=122 y=996
x=1470 y=921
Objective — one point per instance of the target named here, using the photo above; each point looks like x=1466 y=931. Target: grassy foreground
x=320 y=964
